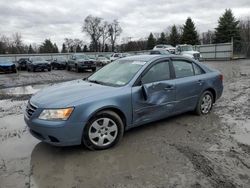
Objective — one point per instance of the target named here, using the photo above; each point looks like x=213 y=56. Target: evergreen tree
x=190 y=35
x=85 y=48
x=174 y=37
x=151 y=42
x=78 y=48
x=46 y=47
x=55 y=48
x=228 y=27
x=30 y=50
x=64 y=50
x=162 y=39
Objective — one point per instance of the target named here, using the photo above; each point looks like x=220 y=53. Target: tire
x=97 y=138
x=205 y=103
x=49 y=69
x=33 y=69
x=28 y=69
x=93 y=69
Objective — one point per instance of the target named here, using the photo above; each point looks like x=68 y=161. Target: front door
x=154 y=98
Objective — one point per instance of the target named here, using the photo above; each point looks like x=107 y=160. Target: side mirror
x=144 y=92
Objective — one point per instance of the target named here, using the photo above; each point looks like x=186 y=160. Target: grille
x=88 y=62
x=197 y=56
x=30 y=109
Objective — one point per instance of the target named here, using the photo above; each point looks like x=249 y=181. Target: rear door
x=188 y=82
x=154 y=98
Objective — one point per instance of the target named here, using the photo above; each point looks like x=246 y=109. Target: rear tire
x=68 y=68
x=205 y=103
x=93 y=69
x=103 y=131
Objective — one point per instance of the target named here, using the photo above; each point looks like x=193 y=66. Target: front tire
x=205 y=103
x=93 y=69
x=103 y=131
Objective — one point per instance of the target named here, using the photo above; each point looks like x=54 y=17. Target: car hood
x=81 y=60
x=7 y=64
x=40 y=62
x=67 y=93
x=190 y=52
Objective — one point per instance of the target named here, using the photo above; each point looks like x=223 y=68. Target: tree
x=64 y=50
x=106 y=49
x=55 y=49
x=47 y=47
x=78 y=48
x=114 y=30
x=17 y=44
x=162 y=39
x=151 y=42
x=189 y=35
x=174 y=37
x=85 y=48
x=104 y=34
x=227 y=28
x=92 y=26
x=30 y=50
x=208 y=37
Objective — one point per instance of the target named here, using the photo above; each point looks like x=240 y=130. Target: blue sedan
x=124 y=94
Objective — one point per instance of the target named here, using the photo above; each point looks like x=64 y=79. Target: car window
x=158 y=72
x=183 y=68
x=197 y=69
x=116 y=55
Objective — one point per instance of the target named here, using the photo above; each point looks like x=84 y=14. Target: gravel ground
x=182 y=151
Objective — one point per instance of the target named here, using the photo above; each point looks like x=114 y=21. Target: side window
x=197 y=69
x=158 y=72
x=183 y=68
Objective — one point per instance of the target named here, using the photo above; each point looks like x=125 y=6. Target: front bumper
x=58 y=133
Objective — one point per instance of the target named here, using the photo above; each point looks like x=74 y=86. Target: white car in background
x=188 y=51
x=166 y=47
x=116 y=56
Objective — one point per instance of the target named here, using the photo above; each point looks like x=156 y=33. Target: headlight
x=56 y=114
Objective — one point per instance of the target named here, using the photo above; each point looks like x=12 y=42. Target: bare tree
x=72 y=44
x=92 y=26
x=114 y=31
x=17 y=43
x=104 y=33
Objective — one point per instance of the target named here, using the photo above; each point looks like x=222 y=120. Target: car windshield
x=118 y=73
x=82 y=57
x=102 y=58
x=187 y=48
x=37 y=59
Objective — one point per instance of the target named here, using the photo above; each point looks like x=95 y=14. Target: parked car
x=159 y=52
x=102 y=61
x=80 y=62
x=38 y=64
x=115 y=56
x=7 y=66
x=124 y=94
x=188 y=51
x=22 y=63
x=165 y=47
x=59 y=62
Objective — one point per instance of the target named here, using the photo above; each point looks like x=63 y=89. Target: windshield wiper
x=95 y=81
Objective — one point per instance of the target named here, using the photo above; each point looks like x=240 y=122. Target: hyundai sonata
x=129 y=92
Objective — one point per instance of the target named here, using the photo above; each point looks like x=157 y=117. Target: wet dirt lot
x=182 y=151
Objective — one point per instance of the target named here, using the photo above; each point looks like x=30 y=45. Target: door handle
x=169 y=87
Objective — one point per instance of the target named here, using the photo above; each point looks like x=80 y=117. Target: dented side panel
x=159 y=103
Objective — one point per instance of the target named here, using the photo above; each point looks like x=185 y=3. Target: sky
x=59 y=19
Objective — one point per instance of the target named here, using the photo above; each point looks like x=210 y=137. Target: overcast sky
x=58 y=19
